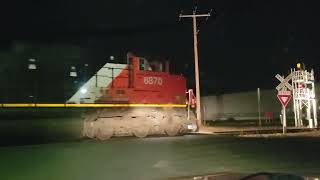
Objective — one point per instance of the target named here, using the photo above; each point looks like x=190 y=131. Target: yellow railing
x=42 y=105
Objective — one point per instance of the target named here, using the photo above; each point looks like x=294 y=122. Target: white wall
x=242 y=105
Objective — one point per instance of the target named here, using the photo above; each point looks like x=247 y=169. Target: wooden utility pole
x=194 y=17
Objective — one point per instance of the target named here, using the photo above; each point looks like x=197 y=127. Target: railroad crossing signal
x=284 y=83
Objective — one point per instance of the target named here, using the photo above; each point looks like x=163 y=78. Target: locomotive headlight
x=83 y=90
x=190 y=126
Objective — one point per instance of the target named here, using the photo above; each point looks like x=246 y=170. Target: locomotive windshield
x=153 y=65
x=144 y=65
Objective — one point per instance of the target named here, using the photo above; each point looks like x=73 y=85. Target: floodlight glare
x=83 y=90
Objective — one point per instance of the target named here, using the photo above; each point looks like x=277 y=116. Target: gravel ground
x=315 y=133
x=236 y=130
x=219 y=129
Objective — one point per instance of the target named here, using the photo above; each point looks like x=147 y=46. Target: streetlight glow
x=73 y=72
x=32 y=64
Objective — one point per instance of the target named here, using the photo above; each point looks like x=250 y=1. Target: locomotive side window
x=154 y=65
x=141 y=64
x=144 y=65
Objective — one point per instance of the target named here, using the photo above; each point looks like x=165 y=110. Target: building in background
x=244 y=105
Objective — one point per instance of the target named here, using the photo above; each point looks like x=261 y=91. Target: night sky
x=241 y=47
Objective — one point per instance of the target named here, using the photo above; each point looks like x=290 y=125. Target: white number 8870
x=153 y=80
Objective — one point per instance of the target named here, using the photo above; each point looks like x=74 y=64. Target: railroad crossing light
x=300 y=85
x=298 y=66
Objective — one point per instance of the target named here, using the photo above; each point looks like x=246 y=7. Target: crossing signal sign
x=284 y=82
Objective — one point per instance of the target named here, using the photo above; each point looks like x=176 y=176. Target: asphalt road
x=159 y=158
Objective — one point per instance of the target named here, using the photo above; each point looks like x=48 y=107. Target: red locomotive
x=142 y=96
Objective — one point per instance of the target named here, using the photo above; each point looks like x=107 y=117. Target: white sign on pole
x=284 y=96
x=284 y=83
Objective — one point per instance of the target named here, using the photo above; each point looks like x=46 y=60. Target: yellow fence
x=41 y=105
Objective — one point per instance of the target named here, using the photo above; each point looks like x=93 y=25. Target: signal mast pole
x=194 y=17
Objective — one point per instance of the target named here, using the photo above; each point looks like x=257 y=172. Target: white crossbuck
x=284 y=82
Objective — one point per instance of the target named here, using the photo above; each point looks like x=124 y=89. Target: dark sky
x=241 y=47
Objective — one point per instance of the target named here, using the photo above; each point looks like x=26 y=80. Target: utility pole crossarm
x=194 y=15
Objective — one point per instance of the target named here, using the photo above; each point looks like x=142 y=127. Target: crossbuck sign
x=284 y=83
x=284 y=96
